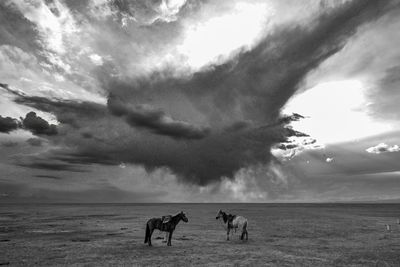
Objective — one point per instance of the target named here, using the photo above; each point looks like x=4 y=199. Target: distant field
x=279 y=235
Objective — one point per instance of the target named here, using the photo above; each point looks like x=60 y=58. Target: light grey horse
x=234 y=222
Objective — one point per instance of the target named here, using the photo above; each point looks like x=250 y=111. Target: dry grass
x=279 y=235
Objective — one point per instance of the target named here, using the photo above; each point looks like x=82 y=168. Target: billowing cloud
x=383 y=148
x=205 y=126
x=9 y=144
x=35 y=141
x=48 y=164
x=48 y=176
x=155 y=120
x=158 y=109
x=8 y=124
x=37 y=125
x=145 y=12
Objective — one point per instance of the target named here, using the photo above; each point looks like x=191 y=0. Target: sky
x=199 y=101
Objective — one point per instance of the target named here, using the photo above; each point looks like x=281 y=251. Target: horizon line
x=394 y=201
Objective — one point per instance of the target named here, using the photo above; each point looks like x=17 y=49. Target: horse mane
x=225 y=216
x=175 y=217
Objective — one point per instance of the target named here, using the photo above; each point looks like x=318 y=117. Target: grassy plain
x=279 y=235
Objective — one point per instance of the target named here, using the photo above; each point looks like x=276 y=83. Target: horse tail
x=147 y=236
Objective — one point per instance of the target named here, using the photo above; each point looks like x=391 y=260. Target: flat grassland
x=279 y=235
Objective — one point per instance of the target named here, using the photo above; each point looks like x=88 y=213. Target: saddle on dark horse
x=165 y=219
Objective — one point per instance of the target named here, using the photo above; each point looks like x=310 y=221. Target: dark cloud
x=308 y=142
x=155 y=120
x=255 y=85
x=50 y=166
x=37 y=125
x=15 y=30
x=289 y=118
x=35 y=141
x=87 y=135
x=69 y=112
x=9 y=144
x=8 y=124
x=31 y=122
x=48 y=177
x=221 y=119
x=290 y=132
x=4 y=85
x=386 y=96
x=287 y=146
x=72 y=157
x=22 y=193
x=237 y=126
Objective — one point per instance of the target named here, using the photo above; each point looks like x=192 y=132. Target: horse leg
x=151 y=232
x=227 y=234
x=165 y=238
x=147 y=232
x=244 y=231
x=169 y=238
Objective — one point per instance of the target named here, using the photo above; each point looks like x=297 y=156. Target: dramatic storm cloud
x=250 y=87
x=8 y=124
x=138 y=91
x=155 y=120
x=38 y=125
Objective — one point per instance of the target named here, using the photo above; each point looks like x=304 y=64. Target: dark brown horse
x=234 y=222
x=169 y=227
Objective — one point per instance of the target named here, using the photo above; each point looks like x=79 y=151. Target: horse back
x=239 y=221
x=155 y=223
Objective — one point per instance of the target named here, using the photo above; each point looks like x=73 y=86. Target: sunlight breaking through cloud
x=216 y=38
x=339 y=112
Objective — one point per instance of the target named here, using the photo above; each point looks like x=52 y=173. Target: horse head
x=183 y=217
x=222 y=215
x=219 y=214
